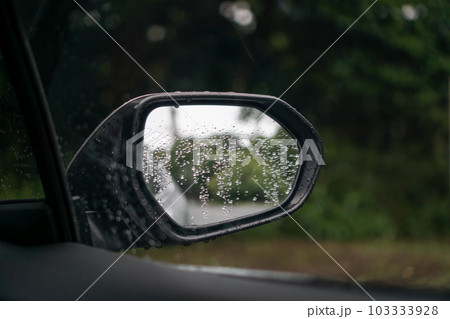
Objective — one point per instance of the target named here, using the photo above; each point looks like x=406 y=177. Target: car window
x=375 y=85
x=19 y=177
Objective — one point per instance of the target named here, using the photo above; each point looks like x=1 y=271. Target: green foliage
x=363 y=194
x=19 y=178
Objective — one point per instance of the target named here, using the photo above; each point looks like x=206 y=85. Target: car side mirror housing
x=180 y=168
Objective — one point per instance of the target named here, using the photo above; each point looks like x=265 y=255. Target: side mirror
x=188 y=167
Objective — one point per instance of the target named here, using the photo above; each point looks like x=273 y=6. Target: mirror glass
x=207 y=164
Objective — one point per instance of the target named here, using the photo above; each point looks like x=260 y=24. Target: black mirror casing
x=114 y=207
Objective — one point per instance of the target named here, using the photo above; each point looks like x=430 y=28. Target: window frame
x=57 y=208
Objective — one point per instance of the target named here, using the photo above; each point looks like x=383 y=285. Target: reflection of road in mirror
x=215 y=213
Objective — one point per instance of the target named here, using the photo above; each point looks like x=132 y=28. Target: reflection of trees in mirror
x=221 y=169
